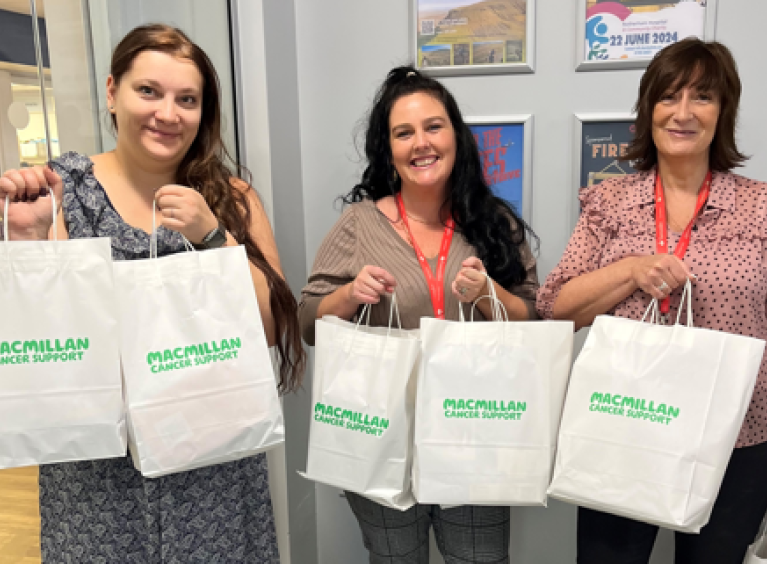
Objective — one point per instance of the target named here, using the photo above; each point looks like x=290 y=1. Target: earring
x=394 y=176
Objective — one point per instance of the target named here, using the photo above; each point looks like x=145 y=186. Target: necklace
x=423 y=221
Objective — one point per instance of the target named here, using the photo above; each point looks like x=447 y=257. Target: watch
x=213 y=240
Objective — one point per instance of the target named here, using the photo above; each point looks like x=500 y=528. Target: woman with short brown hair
x=618 y=259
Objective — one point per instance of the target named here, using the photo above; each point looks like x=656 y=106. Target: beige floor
x=19 y=517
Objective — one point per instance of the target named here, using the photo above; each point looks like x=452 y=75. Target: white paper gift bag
x=60 y=388
x=199 y=382
x=757 y=552
x=651 y=417
x=361 y=433
x=488 y=406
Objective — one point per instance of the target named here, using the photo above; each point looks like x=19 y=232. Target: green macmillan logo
x=42 y=351
x=484 y=409
x=193 y=355
x=351 y=420
x=635 y=408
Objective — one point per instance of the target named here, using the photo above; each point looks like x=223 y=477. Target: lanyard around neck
x=435 y=282
x=661 y=225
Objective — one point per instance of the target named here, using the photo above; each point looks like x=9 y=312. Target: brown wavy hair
x=706 y=65
x=204 y=167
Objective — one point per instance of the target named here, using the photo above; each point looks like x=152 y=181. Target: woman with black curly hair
x=422 y=221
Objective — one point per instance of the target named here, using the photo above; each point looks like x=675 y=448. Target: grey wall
x=289 y=203
x=341 y=52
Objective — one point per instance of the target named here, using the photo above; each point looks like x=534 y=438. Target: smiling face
x=422 y=142
x=684 y=123
x=158 y=106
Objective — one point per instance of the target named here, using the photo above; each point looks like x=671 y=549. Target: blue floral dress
x=104 y=511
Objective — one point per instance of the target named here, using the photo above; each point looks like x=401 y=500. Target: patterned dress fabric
x=105 y=512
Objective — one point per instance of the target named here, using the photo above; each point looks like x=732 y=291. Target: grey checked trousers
x=465 y=535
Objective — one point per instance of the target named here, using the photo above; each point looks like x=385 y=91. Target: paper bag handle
x=393 y=309
x=499 y=310
x=153 y=237
x=653 y=310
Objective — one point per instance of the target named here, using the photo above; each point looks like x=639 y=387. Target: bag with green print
x=60 y=391
x=363 y=396
x=199 y=383
x=651 y=417
x=488 y=405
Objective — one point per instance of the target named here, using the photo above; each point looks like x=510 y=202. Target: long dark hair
x=487 y=222
x=706 y=65
x=204 y=168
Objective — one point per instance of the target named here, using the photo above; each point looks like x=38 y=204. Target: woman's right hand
x=29 y=215
x=371 y=283
x=661 y=274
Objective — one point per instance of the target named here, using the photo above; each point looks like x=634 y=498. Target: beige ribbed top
x=363 y=236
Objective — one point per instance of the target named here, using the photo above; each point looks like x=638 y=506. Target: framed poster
x=600 y=141
x=505 y=144
x=628 y=33
x=457 y=37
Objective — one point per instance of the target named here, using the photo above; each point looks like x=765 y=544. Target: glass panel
x=22 y=131
x=70 y=91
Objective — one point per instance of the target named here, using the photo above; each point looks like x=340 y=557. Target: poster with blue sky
x=452 y=33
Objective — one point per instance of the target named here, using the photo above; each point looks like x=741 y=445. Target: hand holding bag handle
x=653 y=310
x=5 y=217
x=499 y=312
x=153 y=237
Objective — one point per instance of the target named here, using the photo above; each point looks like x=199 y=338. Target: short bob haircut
x=706 y=67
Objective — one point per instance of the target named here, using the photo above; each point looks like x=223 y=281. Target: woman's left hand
x=471 y=281
x=185 y=210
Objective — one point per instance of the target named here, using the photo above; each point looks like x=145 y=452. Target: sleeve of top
x=529 y=287
x=334 y=266
x=78 y=217
x=584 y=251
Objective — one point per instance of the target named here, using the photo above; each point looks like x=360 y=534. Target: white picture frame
x=526 y=160
x=526 y=66
x=581 y=65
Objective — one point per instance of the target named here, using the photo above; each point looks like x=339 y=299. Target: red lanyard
x=661 y=225
x=436 y=288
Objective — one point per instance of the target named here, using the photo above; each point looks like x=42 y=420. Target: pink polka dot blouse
x=728 y=254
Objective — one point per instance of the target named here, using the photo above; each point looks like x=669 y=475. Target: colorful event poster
x=465 y=32
x=502 y=151
x=603 y=143
x=637 y=29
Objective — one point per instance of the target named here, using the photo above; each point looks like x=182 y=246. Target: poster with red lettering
x=502 y=153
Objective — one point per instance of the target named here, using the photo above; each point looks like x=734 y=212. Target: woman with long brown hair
x=163 y=97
